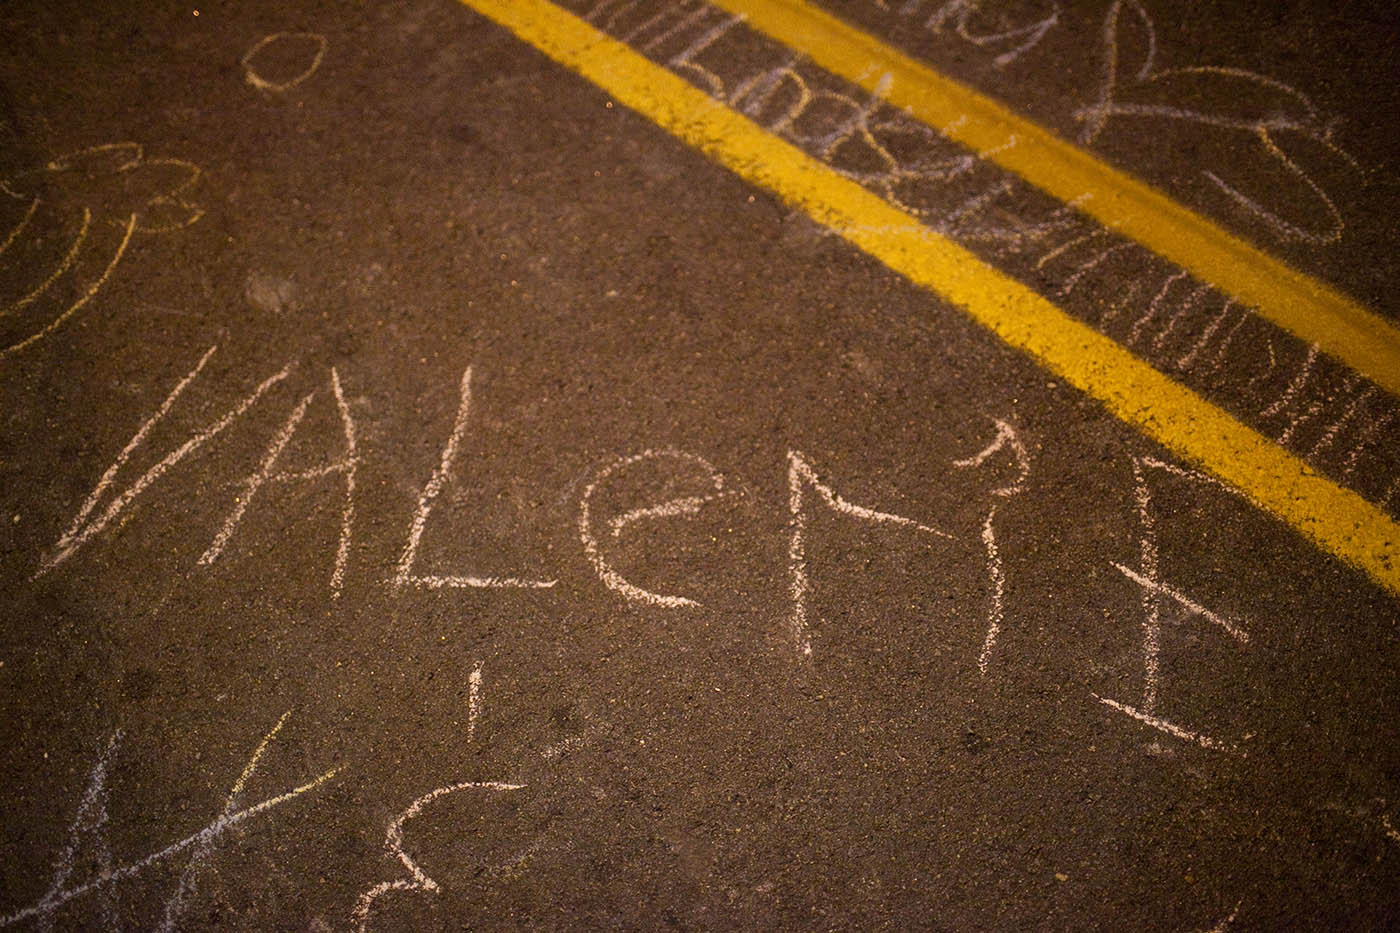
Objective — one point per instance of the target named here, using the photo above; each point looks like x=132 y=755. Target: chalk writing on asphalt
x=1179 y=325
x=694 y=485
x=87 y=842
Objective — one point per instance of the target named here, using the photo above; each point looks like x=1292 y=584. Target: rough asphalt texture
x=435 y=196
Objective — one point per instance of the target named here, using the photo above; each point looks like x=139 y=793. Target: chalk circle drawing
x=95 y=201
x=283 y=50
x=88 y=834
x=1262 y=108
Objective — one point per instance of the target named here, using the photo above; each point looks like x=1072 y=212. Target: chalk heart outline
x=1224 y=98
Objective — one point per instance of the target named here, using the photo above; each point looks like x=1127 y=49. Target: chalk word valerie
x=600 y=526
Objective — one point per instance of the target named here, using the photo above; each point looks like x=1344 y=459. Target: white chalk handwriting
x=685 y=505
x=1000 y=27
x=418 y=881
x=1158 y=594
x=801 y=477
x=1006 y=438
x=89 y=827
x=405 y=575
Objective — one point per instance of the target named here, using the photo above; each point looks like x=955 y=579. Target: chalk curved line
x=996 y=573
x=688 y=506
x=251 y=76
x=1311 y=123
x=63 y=266
x=196 y=213
x=64 y=162
x=419 y=882
x=1147 y=75
x=93 y=289
x=19 y=228
x=347 y=515
x=172 y=197
x=1006 y=436
x=1192 y=300
x=1283 y=228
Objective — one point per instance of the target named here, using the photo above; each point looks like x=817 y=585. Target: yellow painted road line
x=1337 y=519
x=1302 y=305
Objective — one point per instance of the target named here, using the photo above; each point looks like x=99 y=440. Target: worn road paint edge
x=1300 y=304
x=1337 y=519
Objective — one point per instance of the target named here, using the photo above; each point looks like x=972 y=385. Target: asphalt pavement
x=438 y=492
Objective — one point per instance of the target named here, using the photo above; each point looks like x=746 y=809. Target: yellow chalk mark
x=172 y=197
x=62 y=268
x=250 y=74
x=1337 y=519
x=72 y=309
x=19 y=227
x=1304 y=306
